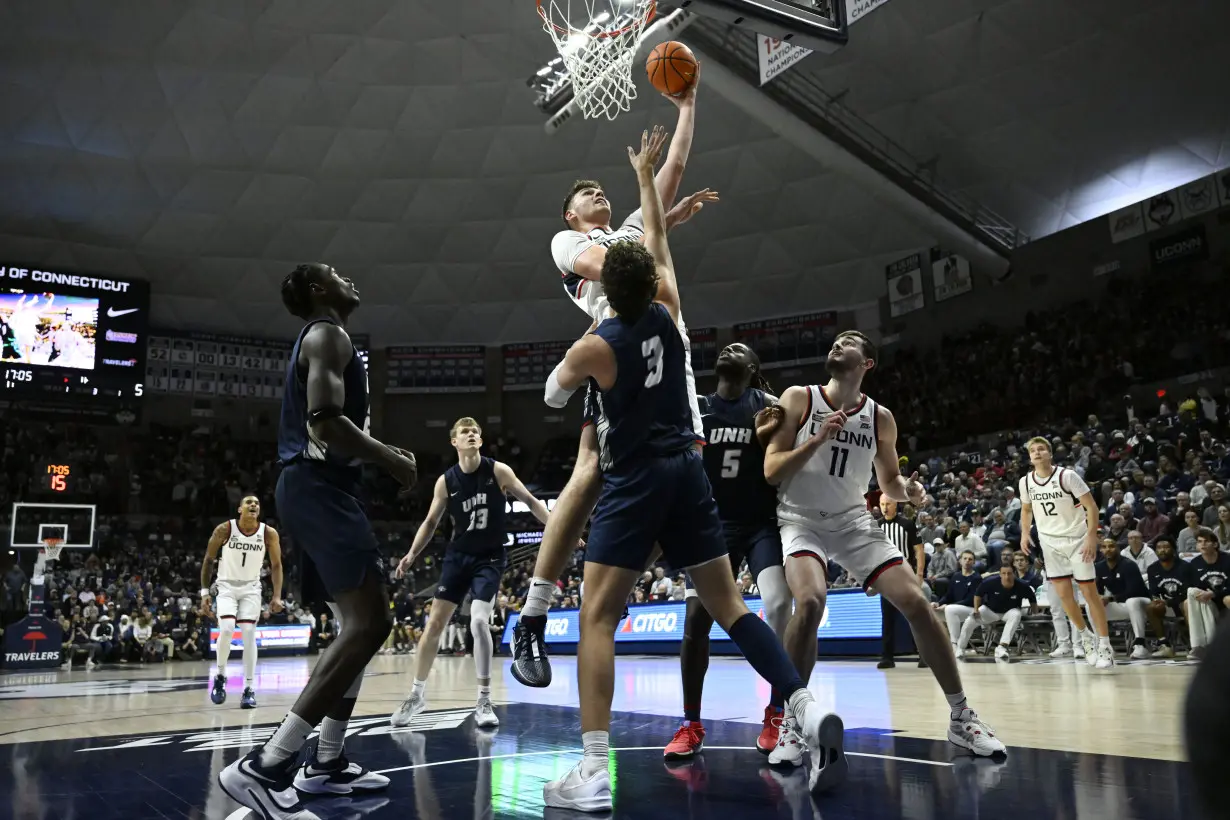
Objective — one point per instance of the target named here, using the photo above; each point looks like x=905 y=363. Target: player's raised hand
x=688 y=97
x=652 y=143
x=689 y=207
x=914 y=489
x=767 y=421
x=831 y=426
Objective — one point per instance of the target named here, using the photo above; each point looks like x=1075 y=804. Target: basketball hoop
x=597 y=41
x=52 y=547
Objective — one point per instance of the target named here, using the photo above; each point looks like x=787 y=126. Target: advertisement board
x=285 y=636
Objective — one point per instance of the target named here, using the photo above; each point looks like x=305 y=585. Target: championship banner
x=1182 y=246
x=950 y=274
x=848 y=615
x=1126 y=223
x=777 y=55
x=790 y=340
x=527 y=364
x=703 y=341
x=437 y=369
x=905 y=288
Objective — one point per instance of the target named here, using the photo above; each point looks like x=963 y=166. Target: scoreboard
x=437 y=369
x=790 y=340
x=208 y=364
x=704 y=349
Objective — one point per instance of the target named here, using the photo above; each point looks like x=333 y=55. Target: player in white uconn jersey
x=825 y=442
x=1060 y=503
x=240 y=547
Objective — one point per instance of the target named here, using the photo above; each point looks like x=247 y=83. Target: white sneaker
x=1089 y=643
x=1062 y=650
x=969 y=732
x=829 y=767
x=484 y=714
x=1001 y=653
x=1140 y=652
x=789 y=749
x=411 y=706
x=580 y=793
x=1164 y=651
x=90 y=664
x=1078 y=650
x=1105 y=658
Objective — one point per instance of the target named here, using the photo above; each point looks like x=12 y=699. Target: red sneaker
x=772 y=726
x=686 y=743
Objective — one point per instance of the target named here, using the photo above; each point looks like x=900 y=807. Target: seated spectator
x=1209 y=596
x=957 y=603
x=1152 y=523
x=661 y=586
x=1170 y=577
x=1186 y=542
x=142 y=631
x=1118 y=529
x=967 y=540
x=1025 y=572
x=1140 y=553
x=1222 y=527
x=999 y=533
x=943 y=563
x=1217 y=497
x=1124 y=592
x=102 y=636
x=998 y=598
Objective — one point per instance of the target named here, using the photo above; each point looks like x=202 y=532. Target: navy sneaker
x=531 y=666
x=338 y=776
x=248 y=701
x=218 y=693
x=270 y=792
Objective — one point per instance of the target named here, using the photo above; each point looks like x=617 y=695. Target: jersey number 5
x=730 y=463
x=651 y=349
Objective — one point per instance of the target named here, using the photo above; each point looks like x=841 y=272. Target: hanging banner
x=905 y=290
x=950 y=275
x=1198 y=197
x=1126 y=223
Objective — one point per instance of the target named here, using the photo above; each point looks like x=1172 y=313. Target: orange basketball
x=672 y=68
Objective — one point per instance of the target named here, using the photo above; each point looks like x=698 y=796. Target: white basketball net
x=597 y=41
x=52 y=550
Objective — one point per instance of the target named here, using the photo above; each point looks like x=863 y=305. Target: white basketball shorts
x=852 y=540
x=241 y=601
x=1062 y=556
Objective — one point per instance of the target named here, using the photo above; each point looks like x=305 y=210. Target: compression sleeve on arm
x=555 y=395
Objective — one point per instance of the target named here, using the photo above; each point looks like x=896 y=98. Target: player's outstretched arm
x=327 y=350
x=422 y=536
x=671 y=175
x=651 y=210
x=511 y=485
x=888 y=463
x=273 y=543
x=781 y=458
x=216 y=540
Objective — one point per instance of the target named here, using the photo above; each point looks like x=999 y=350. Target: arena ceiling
x=209 y=146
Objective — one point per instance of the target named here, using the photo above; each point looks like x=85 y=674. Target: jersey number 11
x=839 y=470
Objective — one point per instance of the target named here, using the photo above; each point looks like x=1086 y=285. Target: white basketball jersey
x=242 y=556
x=835 y=479
x=1056 y=503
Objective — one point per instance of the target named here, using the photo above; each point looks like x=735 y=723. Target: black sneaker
x=270 y=792
x=218 y=693
x=531 y=666
x=338 y=776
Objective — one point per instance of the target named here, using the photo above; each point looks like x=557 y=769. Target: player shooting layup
x=655 y=489
x=1067 y=518
x=825 y=443
x=244 y=543
x=473 y=492
x=579 y=253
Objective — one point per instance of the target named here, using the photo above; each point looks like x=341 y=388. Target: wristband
x=204 y=592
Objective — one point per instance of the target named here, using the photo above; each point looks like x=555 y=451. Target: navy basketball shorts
x=760 y=546
x=477 y=574
x=319 y=508
x=663 y=499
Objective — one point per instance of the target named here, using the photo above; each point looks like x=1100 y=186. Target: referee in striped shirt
x=904 y=536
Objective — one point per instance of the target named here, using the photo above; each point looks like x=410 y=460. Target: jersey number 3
x=651 y=349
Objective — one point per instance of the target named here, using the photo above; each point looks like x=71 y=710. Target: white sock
x=797 y=705
x=249 y=653
x=286 y=741
x=226 y=633
x=419 y=687
x=956 y=704
x=332 y=736
x=1103 y=641
x=597 y=747
x=484 y=689
x=538 y=599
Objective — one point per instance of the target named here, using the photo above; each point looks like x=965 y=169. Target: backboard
x=32 y=524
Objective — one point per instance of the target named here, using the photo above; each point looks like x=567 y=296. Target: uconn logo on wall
x=1179 y=247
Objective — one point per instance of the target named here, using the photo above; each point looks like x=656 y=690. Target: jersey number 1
x=836 y=469
x=651 y=349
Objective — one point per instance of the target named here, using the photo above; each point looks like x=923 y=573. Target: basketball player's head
x=888 y=506
x=629 y=279
x=1206 y=541
x=1039 y=450
x=1164 y=547
x=310 y=290
x=852 y=354
x=250 y=507
x=966 y=559
x=586 y=204
x=739 y=364
x=466 y=435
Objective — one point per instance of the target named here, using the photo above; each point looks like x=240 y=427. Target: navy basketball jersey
x=296 y=441
x=734 y=459
x=647 y=412
x=477 y=506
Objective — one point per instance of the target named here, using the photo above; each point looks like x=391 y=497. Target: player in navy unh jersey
x=654 y=489
x=747 y=505
x=473 y=492
x=322 y=440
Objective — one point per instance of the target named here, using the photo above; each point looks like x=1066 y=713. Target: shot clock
x=57 y=477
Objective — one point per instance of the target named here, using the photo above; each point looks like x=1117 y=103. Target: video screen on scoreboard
x=48 y=329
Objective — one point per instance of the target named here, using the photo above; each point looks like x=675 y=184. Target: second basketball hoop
x=597 y=41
